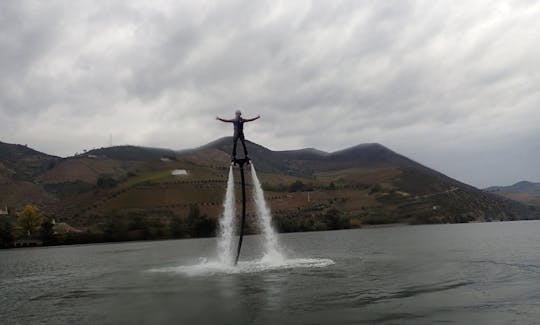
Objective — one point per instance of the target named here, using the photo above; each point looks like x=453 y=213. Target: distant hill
x=423 y=193
x=23 y=163
x=519 y=187
x=306 y=188
x=524 y=191
x=19 y=166
x=132 y=153
x=305 y=162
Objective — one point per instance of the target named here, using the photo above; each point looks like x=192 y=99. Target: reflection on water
x=482 y=273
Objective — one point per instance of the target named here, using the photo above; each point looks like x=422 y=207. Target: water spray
x=263 y=213
x=240 y=163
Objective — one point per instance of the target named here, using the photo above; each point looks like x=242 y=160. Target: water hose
x=240 y=163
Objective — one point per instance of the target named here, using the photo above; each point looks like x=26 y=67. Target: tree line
x=31 y=224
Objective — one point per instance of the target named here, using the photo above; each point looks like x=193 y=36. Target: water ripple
x=525 y=267
x=411 y=291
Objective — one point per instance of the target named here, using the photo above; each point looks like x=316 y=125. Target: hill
x=22 y=163
x=19 y=166
x=402 y=189
x=129 y=189
x=524 y=191
x=132 y=153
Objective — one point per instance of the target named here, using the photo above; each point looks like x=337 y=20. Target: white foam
x=209 y=268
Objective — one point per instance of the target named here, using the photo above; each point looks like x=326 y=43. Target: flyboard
x=240 y=163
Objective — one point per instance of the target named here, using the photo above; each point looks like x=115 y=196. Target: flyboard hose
x=241 y=163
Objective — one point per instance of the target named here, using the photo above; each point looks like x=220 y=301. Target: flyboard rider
x=238 y=122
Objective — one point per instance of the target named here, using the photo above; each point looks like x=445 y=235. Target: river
x=483 y=273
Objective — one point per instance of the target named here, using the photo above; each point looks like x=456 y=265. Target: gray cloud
x=452 y=84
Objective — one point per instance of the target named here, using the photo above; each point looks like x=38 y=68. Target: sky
x=454 y=85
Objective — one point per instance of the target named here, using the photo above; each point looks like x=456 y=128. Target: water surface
x=485 y=273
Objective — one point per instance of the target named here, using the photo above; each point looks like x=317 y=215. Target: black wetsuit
x=239 y=134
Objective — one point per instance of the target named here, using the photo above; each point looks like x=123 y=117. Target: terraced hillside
x=307 y=189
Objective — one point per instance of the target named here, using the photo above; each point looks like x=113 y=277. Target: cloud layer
x=452 y=84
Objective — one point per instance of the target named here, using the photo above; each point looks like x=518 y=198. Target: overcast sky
x=454 y=85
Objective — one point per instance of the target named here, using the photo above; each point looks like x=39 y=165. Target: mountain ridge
x=523 y=191
x=521 y=186
x=369 y=183
x=23 y=162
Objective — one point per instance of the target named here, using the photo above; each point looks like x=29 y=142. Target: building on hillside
x=4 y=211
x=179 y=172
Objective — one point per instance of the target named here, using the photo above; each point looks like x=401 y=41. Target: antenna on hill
x=110 y=140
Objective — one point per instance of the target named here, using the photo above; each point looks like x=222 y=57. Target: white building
x=179 y=172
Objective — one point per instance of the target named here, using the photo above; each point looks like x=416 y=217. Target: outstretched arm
x=223 y=120
x=252 y=119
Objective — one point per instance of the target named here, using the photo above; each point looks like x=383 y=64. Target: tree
x=200 y=225
x=204 y=226
x=194 y=213
x=47 y=232
x=177 y=227
x=115 y=229
x=139 y=223
x=336 y=219
x=296 y=186
x=106 y=181
x=29 y=219
x=6 y=233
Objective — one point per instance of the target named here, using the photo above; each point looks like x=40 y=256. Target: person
x=238 y=123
